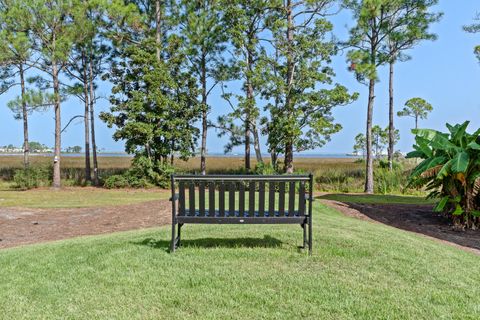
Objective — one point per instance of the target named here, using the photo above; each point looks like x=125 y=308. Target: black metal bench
x=287 y=201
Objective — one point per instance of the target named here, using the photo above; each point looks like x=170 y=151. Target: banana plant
x=450 y=171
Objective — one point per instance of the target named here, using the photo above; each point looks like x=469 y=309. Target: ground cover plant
x=234 y=271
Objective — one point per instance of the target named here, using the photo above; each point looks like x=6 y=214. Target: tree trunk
x=247 y=141
x=58 y=127
x=274 y=158
x=391 y=127
x=288 y=168
x=92 y=124
x=88 y=170
x=158 y=27
x=26 y=147
x=369 y=165
x=172 y=153
x=288 y=165
x=256 y=143
x=416 y=121
x=248 y=116
x=203 y=151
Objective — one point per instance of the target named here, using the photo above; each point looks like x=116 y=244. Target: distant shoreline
x=213 y=155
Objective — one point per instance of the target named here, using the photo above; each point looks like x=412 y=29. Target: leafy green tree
x=416 y=108
x=474 y=28
x=450 y=171
x=409 y=24
x=300 y=79
x=74 y=149
x=154 y=99
x=201 y=27
x=380 y=139
x=360 y=145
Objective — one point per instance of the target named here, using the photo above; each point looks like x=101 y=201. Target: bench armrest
x=174 y=197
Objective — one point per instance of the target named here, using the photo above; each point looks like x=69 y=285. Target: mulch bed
x=415 y=218
x=19 y=226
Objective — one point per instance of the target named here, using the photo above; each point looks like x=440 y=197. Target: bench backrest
x=242 y=195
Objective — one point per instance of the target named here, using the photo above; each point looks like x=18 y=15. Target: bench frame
x=303 y=216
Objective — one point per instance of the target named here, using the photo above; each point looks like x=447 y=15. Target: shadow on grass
x=265 y=242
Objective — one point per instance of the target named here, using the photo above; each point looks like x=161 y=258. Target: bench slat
x=251 y=198
x=221 y=199
x=181 y=198
x=191 y=199
x=261 y=199
x=271 y=199
x=201 y=198
x=291 y=199
x=211 y=198
x=301 y=199
x=231 y=199
x=241 y=199
x=281 y=199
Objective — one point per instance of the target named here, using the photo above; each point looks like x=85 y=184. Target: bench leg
x=310 y=235
x=304 y=226
x=172 y=244
x=180 y=225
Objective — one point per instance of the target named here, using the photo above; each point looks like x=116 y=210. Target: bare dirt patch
x=415 y=218
x=19 y=226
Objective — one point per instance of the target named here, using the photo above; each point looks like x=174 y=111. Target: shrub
x=116 y=181
x=450 y=171
x=265 y=169
x=33 y=177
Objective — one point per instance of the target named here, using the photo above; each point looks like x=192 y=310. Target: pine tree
x=201 y=27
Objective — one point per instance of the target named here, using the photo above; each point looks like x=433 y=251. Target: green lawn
x=376 y=198
x=75 y=197
x=359 y=270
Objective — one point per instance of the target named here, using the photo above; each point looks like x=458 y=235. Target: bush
x=33 y=177
x=265 y=169
x=116 y=181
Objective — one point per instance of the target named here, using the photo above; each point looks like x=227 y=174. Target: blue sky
x=444 y=72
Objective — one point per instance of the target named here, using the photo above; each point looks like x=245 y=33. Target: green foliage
x=33 y=177
x=416 y=108
x=389 y=181
x=360 y=146
x=474 y=28
x=299 y=83
x=116 y=182
x=154 y=99
x=265 y=169
x=450 y=170
x=379 y=141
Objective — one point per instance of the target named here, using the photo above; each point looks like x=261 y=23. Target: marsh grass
x=331 y=175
